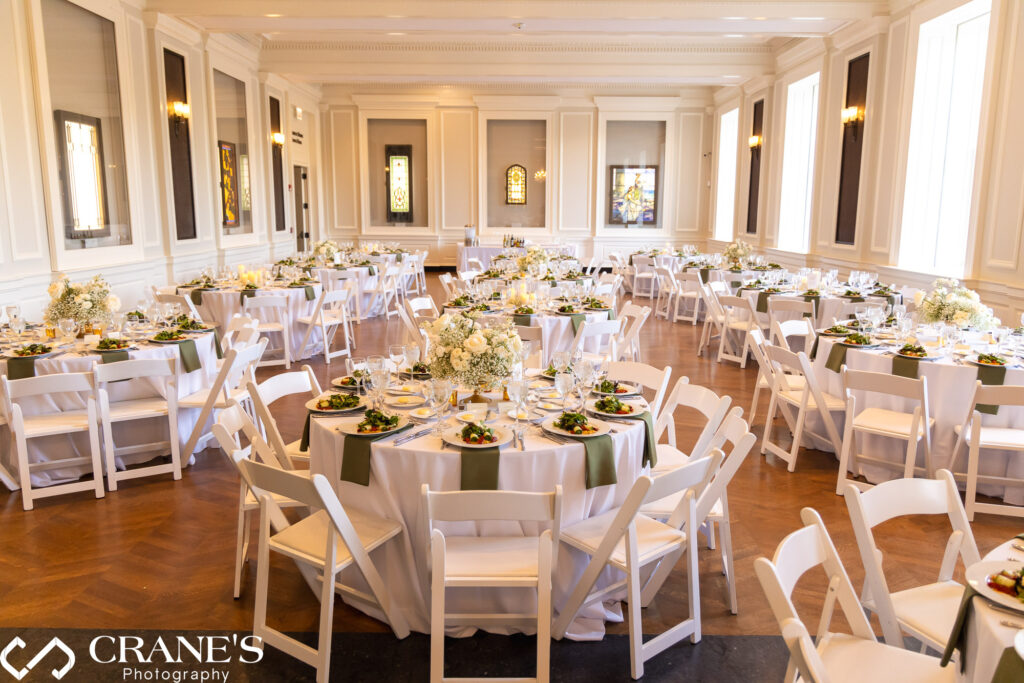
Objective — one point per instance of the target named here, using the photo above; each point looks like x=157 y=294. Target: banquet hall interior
x=516 y=339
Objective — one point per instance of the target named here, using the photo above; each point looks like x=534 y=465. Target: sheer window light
x=725 y=188
x=798 y=164
x=944 y=139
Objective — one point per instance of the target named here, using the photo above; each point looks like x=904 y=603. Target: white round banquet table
x=556 y=331
x=48 y=448
x=986 y=637
x=950 y=387
x=398 y=472
x=365 y=280
x=485 y=254
x=220 y=305
x=828 y=306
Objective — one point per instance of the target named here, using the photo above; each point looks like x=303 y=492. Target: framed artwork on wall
x=228 y=183
x=633 y=195
x=398 y=177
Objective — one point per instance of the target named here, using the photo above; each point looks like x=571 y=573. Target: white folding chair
x=604 y=331
x=633 y=318
x=847 y=310
x=913 y=427
x=163 y=403
x=475 y=264
x=330 y=315
x=764 y=369
x=232 y=424
x=348 y=279
x=385 y=293
x=688 y=286
x=446 y=281
x=265 y=308
x=713 y=502
x=628 y=541
x=55 y=389
x=784 y=308
x=645 y=280
x=534 y=334
x=977 y=436
x=187 y=307
x=421 y=307
x=714 y=316
x=711 y=407
x=314 y=542
x=228 y=388
x=647 y=376
x=492 y=561
x=665 y=304
x=241 y=331
x=926 y=612
x=301 y=383
x=794 y=387
x=833 y=657
x=803 y=328
x=741 y=317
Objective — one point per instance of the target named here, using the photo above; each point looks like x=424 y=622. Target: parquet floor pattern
x=159 y=554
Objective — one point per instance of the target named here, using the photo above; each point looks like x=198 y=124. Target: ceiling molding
x=505 y=46
x=860 y=32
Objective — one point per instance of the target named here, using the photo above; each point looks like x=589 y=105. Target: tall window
x=725 y=187
x=944 y=140
x=798 y=164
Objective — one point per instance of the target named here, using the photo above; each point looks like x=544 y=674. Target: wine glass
x=412 y=355
x=517 y=389
x=560 y=360
x=17 y=325
x=396 y=352
x=440 y=390
x=563 y=385
x=374 y=363
x=379 y=383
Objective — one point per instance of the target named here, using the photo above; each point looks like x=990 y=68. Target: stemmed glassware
x=379 y=383
x=563 y=385
x=412 y=355
x=517 y=389
x=440 y=390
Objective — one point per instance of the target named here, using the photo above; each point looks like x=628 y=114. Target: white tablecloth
x=219 y=306
x=485 y=254
x=950 y=387
x=828 y=306
x=366 y=282
x=986 y=637
x=396 y=474
x=49 y=448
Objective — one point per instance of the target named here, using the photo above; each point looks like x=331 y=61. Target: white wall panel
x=575 y=172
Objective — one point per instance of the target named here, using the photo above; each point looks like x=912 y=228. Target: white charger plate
x=349 y=428
x=311 y=405
x=637 y=409
x=633 y=390
x=454 y=437
x=977 y=577
x=467 y=417
x=602 y=428
x=405 y=401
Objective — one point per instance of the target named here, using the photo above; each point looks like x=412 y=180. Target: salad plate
x=982 y=577
x=335 y=403
x=494 y=436
x=405 y=401
x=347 y=381
x=915 y=352
x=987 y=360
x=469 y=417
x=555 y=425
x=612 y=406
x=373 y=423
x=609 y=388
x=33 y=351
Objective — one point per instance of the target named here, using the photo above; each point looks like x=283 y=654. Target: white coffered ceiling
x=623 y=44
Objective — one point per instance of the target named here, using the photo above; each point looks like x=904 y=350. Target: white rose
x=54 y=289
x=475 y=343
x=918 y=297
x=86 y=305
x=961 y=318
x=113 y=303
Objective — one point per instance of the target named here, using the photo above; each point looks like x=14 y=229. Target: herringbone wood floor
x=159 y=553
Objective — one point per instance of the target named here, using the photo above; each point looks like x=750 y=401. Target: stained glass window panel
x=398 y=192
x=515 y=185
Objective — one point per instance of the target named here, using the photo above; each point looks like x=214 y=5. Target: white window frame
x=799 y=154
x=726 y=168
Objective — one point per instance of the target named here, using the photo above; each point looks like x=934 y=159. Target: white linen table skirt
x=986 y=637
x=57 y=447
x=366 y=283
x=396 y=475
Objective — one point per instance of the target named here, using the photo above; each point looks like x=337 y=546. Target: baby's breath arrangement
x=88 y=302
x=534 y=256
x=463 y=350
x=326 y=248
x=951 y=302
x=737 y=251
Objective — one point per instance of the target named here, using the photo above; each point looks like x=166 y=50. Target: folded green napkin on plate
x=600 y=460
x=836 y=357
x=480 y=469
x=355 y=459
x=20 y=368
x=577 y=320
x=905 y=367
x=990 y=374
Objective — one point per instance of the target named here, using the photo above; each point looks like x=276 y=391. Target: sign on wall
x=228 y=183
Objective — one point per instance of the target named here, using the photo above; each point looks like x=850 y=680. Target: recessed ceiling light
x=808 y=18
x=395 y=33
x=760 y=18
x=730 y=76
x=733 y=35
x=272 y=16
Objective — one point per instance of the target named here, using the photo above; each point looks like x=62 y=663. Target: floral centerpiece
x=88 y=302
x=950 y=302
x=462 y=350
x=326 y=248
x=737 y=251
x=534 y=256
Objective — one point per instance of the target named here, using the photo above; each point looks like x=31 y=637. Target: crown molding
x=803 y=50
x=756 y=85
x=173 y=28
x=395 y=101
x=517 y=102
x=860 y=32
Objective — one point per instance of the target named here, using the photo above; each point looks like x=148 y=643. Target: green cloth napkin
x=905 y=367
x=197 y=295
x=113 y=357
x=480 y=469
x=216 y=344
x=577 y=320
x=990 y=374
x=1010 y=668
x=735 y=284
x=600 y=460
x=611 y=314
x=891 y=298
x=650 y=442
x=245 y=293
x=814 y=349
x=20 y=368
x=854 y=299
x=310 y=294
x=189 y=355
x=355 y=459
x=836 y=357
x=762 y=302
x=399 y=256
x=705 y=273
x=817 y=304
x=304 y=442
x=630 y=259
x=522 y=319
x=958 y=637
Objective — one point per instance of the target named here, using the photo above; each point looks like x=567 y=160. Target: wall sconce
x=540 y=175
x=277 y=138
x=180 y=112
x=298 y=113
x=754 y=141
x=853 y=116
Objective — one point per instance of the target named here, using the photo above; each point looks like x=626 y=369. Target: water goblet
x=560 y=360
x=441 y=390
x=374 y=363
x=412 y=355
x=563 y=385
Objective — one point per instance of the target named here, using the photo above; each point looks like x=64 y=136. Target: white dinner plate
x=561 y=313
x=974 y=361
x=602 y=427
x=336 y=382
x=454 y=437
x=929 y=357
x=858 y=346
x=404 y=389
x=550 y=395
x=311 y=405
x=823 y=331
x=11 y=354
x=633 y=390
x=349 y=427
x=405 y=401
x=540 y=384
x=95 y=349
x=466 y=417
x=638 y=409
x=423 y=413
x=977 y=578
x=547 y=405
x=166 y=341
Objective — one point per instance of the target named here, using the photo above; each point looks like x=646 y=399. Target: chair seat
x=742 y=325
x=306 y=539
x=662 y=508
x=481 y=557
x=138 y=408
x=328 y=320
x=270 y=327
x=198 y=399
x=253 y=503
x=669 y=458
x=795 y=397
x=888 y=422
x=293 y=450
x=653 y=538
x=688 y=295
x=848 y=658
x=928 y=610
x=997 y=437
x=56 y=423
x=796 y=382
